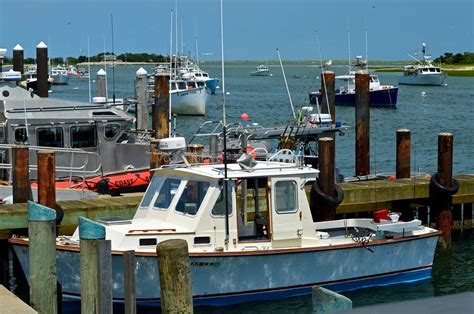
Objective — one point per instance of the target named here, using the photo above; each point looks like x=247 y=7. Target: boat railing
x=88 y=164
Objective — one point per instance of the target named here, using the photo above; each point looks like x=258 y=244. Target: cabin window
x=2 y=134
x=181 y=85
x=192 y=196
x=51 y=137
x=205 y=75
x=219 y=206
x=191 y=85
x=83 y=136
x=173 y=86
x=285 y=197
x=111 y=130
x=150 y=192
x=167 y=193
x=200 y=84
x=21 y=136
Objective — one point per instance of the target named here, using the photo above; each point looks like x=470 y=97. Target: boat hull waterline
x=189 y=102
x=236 y=277
x=378 y=98
x=435 y=79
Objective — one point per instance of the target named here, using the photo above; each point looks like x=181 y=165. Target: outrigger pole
x=286 y=84
x=224 y=130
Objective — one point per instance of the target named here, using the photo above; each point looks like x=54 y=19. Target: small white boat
x=59 y=75
x=189 y=97
x=261 y=70
x=423 y=72
x=274 y=248
x=10 y=75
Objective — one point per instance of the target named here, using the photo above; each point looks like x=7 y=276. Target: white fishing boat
x=59 y=75
x=10 y=75
x=261 y=70
x=188 y=97
x=423 y=72
x=261 y=244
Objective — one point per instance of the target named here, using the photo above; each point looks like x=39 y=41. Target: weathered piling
x=213 y=147
x=161 y=109
x=42 y=69
x=154 y=153
x=46 y=178
x=95 y=268
x=362 y=113
x=195 y=152
x=102 y=84
x=129 y=265
x=142 y=99
x=21 y=187
x=175 y=276
x=18 y=59
x=324 y=300
x=442 y=187
x=403 y=154
x=328 y=94
x=42 y=258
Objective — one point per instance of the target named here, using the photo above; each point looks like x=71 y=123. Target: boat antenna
x=196 y=40
x=324 y=79
x=113 y=58
x=171 y=70
x=366 y=49
x=105 y=69
x=176 y=38
x=286 y=84
x=349 y=43
x=224 y=130
x=89 y=68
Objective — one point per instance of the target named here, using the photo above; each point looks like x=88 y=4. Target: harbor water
x=424 y=110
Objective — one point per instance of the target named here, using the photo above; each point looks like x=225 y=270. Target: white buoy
x=227 y=93
x=423 y=93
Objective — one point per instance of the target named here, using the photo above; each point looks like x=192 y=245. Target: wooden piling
x=195 y=152
x=18 y=59
x=129 y=265
x=102 y=84
x=142 y=99
x=95 y=268
x=154 y=153
x=213 y=147
x=42 y=72
x=46 y=178
x=42 y=258
x=326 y=153
x=445 y=178
x=175 y=276
x=362 y=112
x=160 y=110
x=328 y=94
x=403 y=153
x=21 y=187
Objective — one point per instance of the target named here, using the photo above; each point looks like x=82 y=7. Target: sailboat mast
x=170 y=71
x=89 y=68
x=176 y=38
x=196 y=40
x=113 y=57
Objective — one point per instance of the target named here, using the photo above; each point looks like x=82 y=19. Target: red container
x=381 y=215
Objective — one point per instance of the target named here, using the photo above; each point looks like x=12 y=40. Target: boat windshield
x=191 y=199
x=167 y=193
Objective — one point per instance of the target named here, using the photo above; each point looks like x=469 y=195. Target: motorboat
x=261 y=70
x=60 y=76
x=198 y=75
x=381 y=95
x=423 y=72
x=10 y=75
x=260 y=244
x=95 y=150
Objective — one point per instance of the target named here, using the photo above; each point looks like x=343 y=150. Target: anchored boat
x=423 y=72
x=274 y=248
x=261 y=70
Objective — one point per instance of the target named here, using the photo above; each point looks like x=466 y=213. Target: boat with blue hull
x=275 y=248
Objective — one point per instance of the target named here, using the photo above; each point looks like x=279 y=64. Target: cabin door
x=286 y=214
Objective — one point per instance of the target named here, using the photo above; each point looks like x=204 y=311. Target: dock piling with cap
x=142 y=99
x=42 y=73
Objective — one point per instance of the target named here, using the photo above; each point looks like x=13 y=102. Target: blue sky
x=252 y=28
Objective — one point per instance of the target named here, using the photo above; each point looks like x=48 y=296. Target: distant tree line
x=458 y=58
x=126 y=57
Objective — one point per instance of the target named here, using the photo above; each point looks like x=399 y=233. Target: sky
x=253 y=29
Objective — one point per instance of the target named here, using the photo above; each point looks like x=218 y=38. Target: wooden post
x=129 y=282
x=46 y=178
x=42 y=69
x=175 y=276
x=195 y=153
x=213 y=147
x=102 y=84
x=154 y=153
x=362 y=112
x=324 y=300
x=21 y=178
x=160 y=110
x=326 y=154
x=445 y=177
x=142 y=99
x=18 y=59
x=328 y=87
x=95 y=267
x=42 y=258
x=403 y=154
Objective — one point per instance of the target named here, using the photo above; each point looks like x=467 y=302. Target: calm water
x=441 y=109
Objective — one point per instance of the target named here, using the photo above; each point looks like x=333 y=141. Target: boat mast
x=196 y=40
x=89 y=68
x=224 y=130
x=286 y=84
x=170 y=71
x=176 y=39
x=366 y=49
x=324 y=81
x=113 y=58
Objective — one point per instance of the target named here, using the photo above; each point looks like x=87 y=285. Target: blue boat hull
x=378 y=98
x=212 y=85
